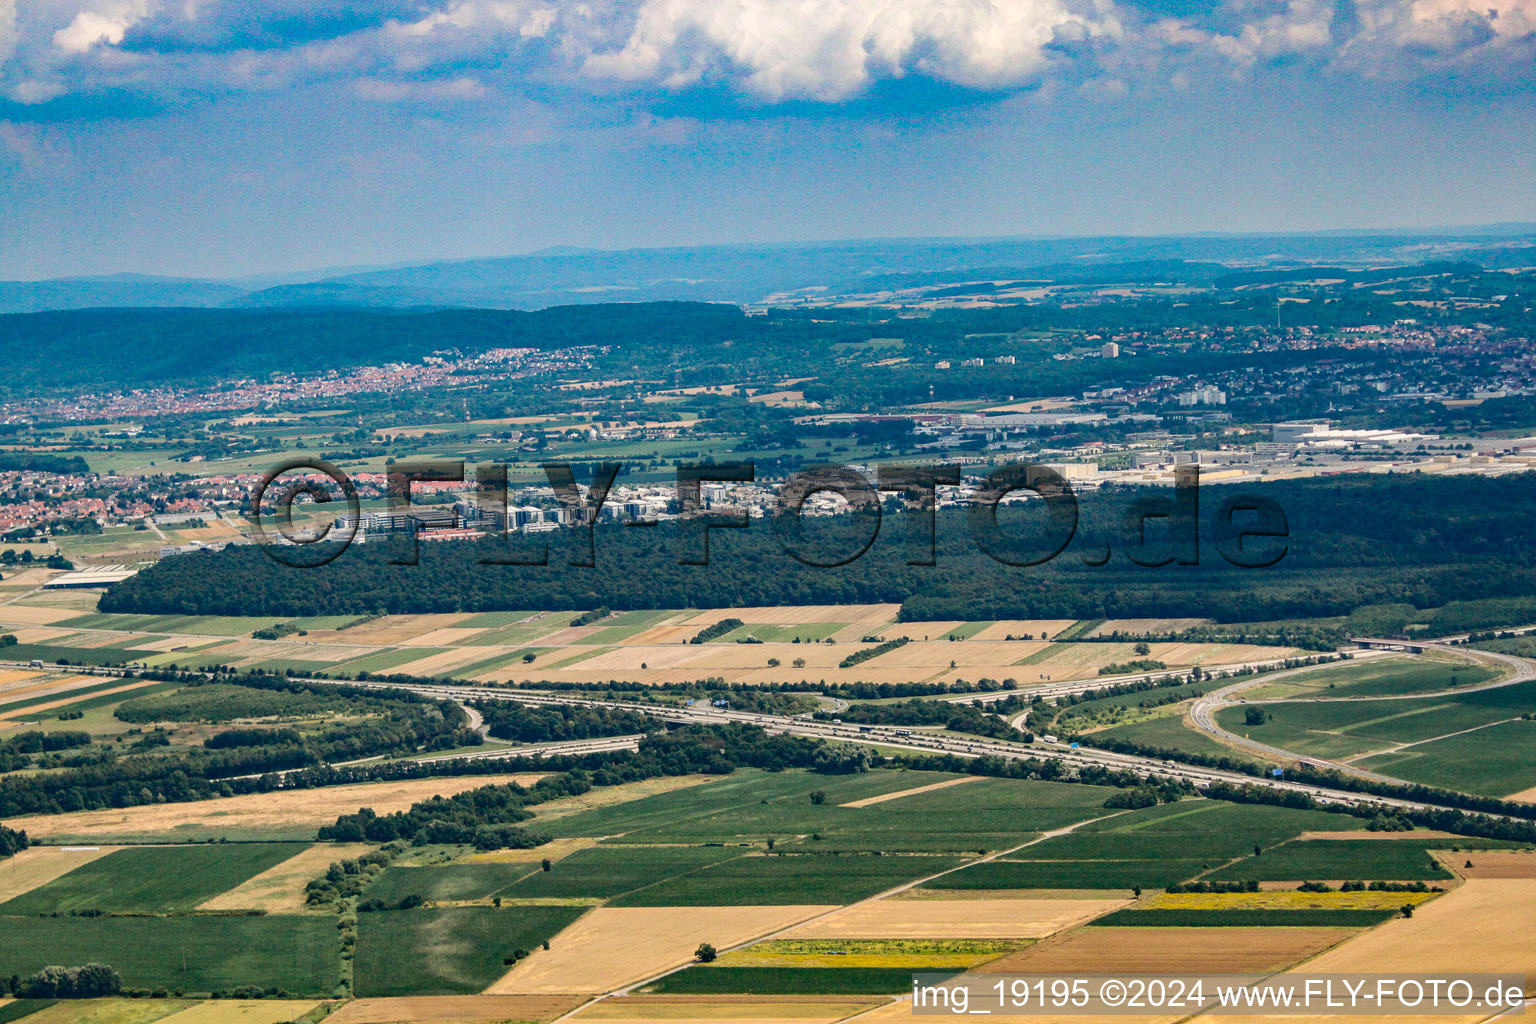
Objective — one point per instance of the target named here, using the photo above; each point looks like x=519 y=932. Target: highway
x=918 y=740
x=885 y=736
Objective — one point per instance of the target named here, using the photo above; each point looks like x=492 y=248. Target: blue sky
x=216 y=137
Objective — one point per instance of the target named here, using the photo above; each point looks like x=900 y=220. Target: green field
x=1495 y=761
x=447 y=882
x=1243 y=918
x=793 y=980
x=1071 y=874
x=1167 y=732
x=1387 y=860
x=201 y=953
x=785 y=880
x=986 y=814
x=608 y=871
x=448 y=951
x=1334 y=729
x=1149 y=848
x=766 y=804
x=1379 y=678
x=153 y=879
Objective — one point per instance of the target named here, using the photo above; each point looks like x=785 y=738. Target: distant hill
x=749 y=273
x=78 y=349
x=115 y=290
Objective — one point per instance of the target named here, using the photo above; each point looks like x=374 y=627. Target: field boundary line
x=775 y=933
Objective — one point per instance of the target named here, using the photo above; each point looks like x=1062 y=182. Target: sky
x=217 y=138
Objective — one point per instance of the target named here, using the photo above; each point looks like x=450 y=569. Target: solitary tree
x=705 y=953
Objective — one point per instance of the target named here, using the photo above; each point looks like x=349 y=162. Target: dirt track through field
x=871 y=801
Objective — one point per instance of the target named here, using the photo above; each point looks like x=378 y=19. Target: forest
x=1352 y=541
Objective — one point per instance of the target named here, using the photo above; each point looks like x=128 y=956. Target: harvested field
x=37 y=709
x=605 y=950
x=1037 y=628
x=870 y=801
x=948 y=895
x=1491 y=864
x=44 y=686
x=280 y=888
x=33 y=616
x=446 y=661
x=392 y=629
x=1137 y=627
x=454 y=1009
x=1176 y=951
x=40 y=865
x=233 y=1011
x=10 y=677
x=956 y=919
x=791 y=615
x=255 y=812
x=1525 y=796
x=1483 y=926
x=710 y=1009
x=447 y=637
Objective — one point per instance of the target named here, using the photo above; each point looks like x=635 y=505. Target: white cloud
x=768 y=50
x=1266 y=30
x=7 y=29
x=832 y=49
x=105 y=23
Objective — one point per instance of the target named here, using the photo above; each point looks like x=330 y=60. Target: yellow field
x=958 y=954
x=871 y=801
x=39 y=865
x=10 y=677
x=285 y=808
x=107 y=1011
x=1525 y=796
x=280 y=888
x=237 y=1011
x=454 y=1009
x=709 y=1009
x=614 y=946
x=957 y=919
x=1288 y=900
x=1482 y=926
